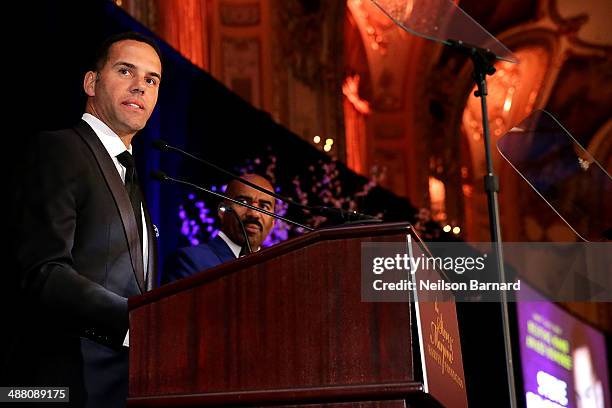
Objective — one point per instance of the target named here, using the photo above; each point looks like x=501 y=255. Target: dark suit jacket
x=79 y=258
x=190 y=260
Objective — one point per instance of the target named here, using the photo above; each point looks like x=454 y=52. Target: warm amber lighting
x=327 y=148
x=508 y=101
x=350 y=89
x=446 y=228
x=467 y=189
x=399 y=9
x=316 y=139
x=184 y=25
x=513 y=92
x=456 y=230
x=329 y=142
x=437 y=198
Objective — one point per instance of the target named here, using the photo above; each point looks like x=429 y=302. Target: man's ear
x=89 y=83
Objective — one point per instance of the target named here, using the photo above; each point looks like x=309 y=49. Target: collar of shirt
x=112 y=143
x=233 y=246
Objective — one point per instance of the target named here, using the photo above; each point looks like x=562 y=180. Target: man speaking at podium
x=229 y=244
x=84 y=239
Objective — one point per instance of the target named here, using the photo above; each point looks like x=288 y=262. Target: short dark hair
x=101 y=55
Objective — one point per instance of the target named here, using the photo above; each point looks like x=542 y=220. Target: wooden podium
x=284 y=327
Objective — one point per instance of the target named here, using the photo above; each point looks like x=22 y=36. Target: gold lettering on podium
x=440 y=346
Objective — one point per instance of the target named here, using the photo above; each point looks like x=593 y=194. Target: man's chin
x=254 y=239
x=255 y=242
x=134 y=124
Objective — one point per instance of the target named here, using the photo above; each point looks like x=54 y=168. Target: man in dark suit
x=230 y=242
x=84 y=239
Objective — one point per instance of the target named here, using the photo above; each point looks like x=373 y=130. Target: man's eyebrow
x=125 y=64
x=128 y=65
x=242 y=196
x=250 y=198
x=155 y=74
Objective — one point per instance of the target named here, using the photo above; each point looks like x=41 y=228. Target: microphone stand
x=337 y=214
x=161 y=176
x=225 y=209
x=483 y=60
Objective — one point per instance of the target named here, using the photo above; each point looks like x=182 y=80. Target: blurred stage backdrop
x=199 y=114
x=335 y=104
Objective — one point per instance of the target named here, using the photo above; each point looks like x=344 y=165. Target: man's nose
x=138 y=87
x=253 y=213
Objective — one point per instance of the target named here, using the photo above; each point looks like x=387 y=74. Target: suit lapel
x=221 y=249
x=122 y=200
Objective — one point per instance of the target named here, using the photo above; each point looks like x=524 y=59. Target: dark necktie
x=131 y=185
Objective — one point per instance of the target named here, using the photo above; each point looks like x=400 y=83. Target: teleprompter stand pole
x=483 y=65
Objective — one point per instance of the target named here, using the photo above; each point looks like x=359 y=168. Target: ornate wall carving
x=308 y=68
x=239 y=15
x=241 y=67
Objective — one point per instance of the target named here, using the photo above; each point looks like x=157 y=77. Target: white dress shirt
x=233 y=246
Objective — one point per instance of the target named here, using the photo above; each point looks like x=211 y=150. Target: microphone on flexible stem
x=226 y=209
x=334 y=213
x=344 y=216
x=163 y=177
x=165 y=147
x=159 y=176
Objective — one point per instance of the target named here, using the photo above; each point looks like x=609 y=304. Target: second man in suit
x=229 y=243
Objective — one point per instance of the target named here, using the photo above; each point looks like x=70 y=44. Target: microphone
x=224 y=208
x=344 y=216
x=334 y=213
x=159 y=175
x=161 y=145
x=163 y=177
